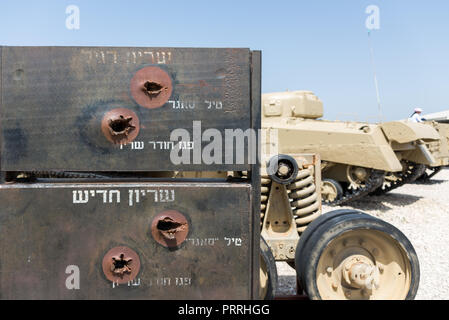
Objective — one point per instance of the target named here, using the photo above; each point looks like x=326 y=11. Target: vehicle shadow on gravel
x=429 y=182
x=385 y=202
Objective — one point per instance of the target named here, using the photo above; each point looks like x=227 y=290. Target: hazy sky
x=306 y=45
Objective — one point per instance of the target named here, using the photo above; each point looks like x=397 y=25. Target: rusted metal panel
x=49 y=230
x=96 y=109
x=55 y=98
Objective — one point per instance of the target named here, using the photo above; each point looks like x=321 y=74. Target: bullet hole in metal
x=167 y=224
x=152 y=88
x=121 y=265
x=121 y=125
x=169 y=228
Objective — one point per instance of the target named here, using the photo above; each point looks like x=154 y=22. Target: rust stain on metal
x=121 y=264
x=120 y=125
x=170 y=228
x=151 y=87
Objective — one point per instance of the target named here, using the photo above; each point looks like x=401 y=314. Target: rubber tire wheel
x=336 y=226
x=337 y=186
x=272 y=164
x=310 y=230
x=268 y=258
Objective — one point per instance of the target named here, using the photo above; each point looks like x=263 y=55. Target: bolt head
x=283 y=169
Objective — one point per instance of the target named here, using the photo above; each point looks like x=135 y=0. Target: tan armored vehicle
x=356 y=157
x=440 y=148
x=343 y=254
x=340 y=255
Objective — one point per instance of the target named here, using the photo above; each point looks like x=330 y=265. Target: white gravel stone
x=421 y=212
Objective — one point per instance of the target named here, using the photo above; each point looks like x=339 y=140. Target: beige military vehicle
x=440 y=148
x=340 y=255
x=357 y=158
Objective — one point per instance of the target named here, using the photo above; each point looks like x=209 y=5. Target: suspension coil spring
x=265 y=187
x=304 y=199
x=265 y=192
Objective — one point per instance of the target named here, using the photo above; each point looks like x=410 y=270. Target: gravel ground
x=421 y=212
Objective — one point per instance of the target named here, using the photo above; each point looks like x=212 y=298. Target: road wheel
x=357 y=256
x=268 y=272
x=311 y=230
x=331 y=190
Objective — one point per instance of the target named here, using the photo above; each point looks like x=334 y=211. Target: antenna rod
x=375 y=76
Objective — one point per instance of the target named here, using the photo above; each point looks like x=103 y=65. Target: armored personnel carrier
x=357 y=158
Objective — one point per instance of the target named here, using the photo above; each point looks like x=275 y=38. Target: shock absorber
x=304 y=198
x=301 y=188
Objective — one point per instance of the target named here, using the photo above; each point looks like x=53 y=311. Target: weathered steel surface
x=54 y=99
x=66 y=108
x=43 y=232
x=256 y=92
